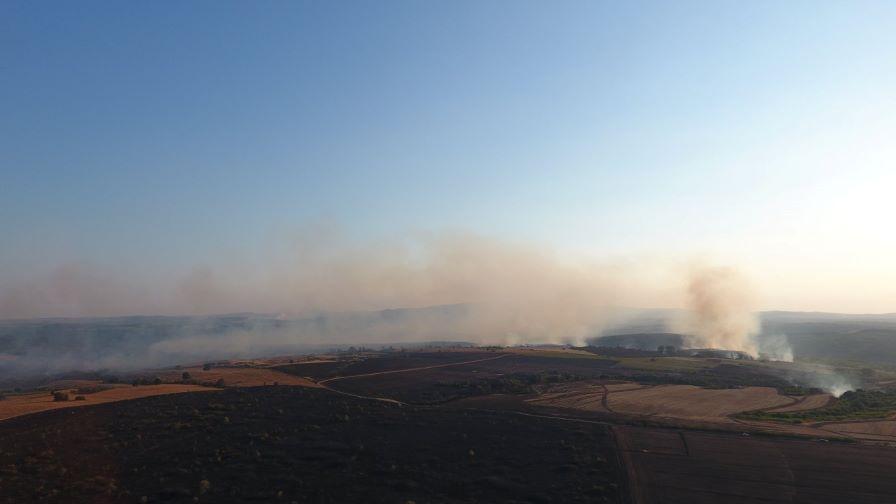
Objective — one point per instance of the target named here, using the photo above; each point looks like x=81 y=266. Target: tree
x=185 y=376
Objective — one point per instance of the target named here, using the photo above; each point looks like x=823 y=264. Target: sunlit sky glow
x=150 y=138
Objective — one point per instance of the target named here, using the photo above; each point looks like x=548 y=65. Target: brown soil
x=25 y=404
x=880 y=430
x=238 y=376
x=687 y=401
x=810 y=402
x=680 y=466
x=296 y=444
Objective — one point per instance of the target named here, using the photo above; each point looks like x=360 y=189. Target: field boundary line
x=423 y=368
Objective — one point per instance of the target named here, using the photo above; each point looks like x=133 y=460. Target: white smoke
x=720 y=311
x=775 y=347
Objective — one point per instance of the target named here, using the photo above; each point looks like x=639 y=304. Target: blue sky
x=154 y=136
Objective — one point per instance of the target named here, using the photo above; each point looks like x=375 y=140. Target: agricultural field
x=578 y=396
x=878 y=430
x=242 y=376
x=667 y=363
x=566 y=353
x=437 y=378
x=207 y=448
x=694 y=467
x=809 y=402
x=687 y=401
x=852 y=405
x=661 y=401
x=28 y=403
x=333 y=417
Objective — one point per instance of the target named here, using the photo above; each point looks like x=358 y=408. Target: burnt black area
x=315 y=370
x=509 y=374
x=390 y=361
x=522 y=374
x=288 y=444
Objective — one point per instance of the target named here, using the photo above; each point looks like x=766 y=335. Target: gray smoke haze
x=329 y=291
x=521 y=292
x=775 y=347
x=834 y=383
x=721 y=311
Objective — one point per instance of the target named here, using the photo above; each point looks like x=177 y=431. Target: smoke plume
x=721 y=311
x=775 y=347
x=328 y=291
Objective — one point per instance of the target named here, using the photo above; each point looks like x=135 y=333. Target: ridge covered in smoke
x=332 y=292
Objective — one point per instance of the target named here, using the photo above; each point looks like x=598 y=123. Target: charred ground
x=291 y=444
x=463 y=425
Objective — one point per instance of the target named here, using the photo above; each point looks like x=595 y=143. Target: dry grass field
x=805 y=403
x=237 y=376
x=557 y=353
x=672 y=401
x=622 y=387
x=586 y=397
x=582 y=395
x=689 y=402
x=24 y=404
x=879 y=430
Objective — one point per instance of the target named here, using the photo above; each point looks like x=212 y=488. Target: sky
x=146 y=141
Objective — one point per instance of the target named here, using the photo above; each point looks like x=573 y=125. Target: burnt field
x=479 y=426
x=449 y=379
x=692 y=467
x=292 y=444
x=392 y=361
x=440 y=377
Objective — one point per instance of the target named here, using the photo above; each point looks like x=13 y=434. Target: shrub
x=185 y=376
x=157 y=381
x=220 y=383
x=206 y=366
x=80 y=398
x=60 y=396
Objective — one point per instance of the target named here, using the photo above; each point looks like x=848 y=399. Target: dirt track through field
x=804 y=403
x=335 y=378
x=323 y=383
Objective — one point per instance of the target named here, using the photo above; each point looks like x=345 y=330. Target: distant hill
x=54 y=345
x=835 y=337
x=641 y=341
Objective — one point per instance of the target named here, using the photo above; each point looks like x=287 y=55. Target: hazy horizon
x=159 y=159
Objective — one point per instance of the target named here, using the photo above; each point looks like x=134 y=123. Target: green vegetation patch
x=853 y=405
